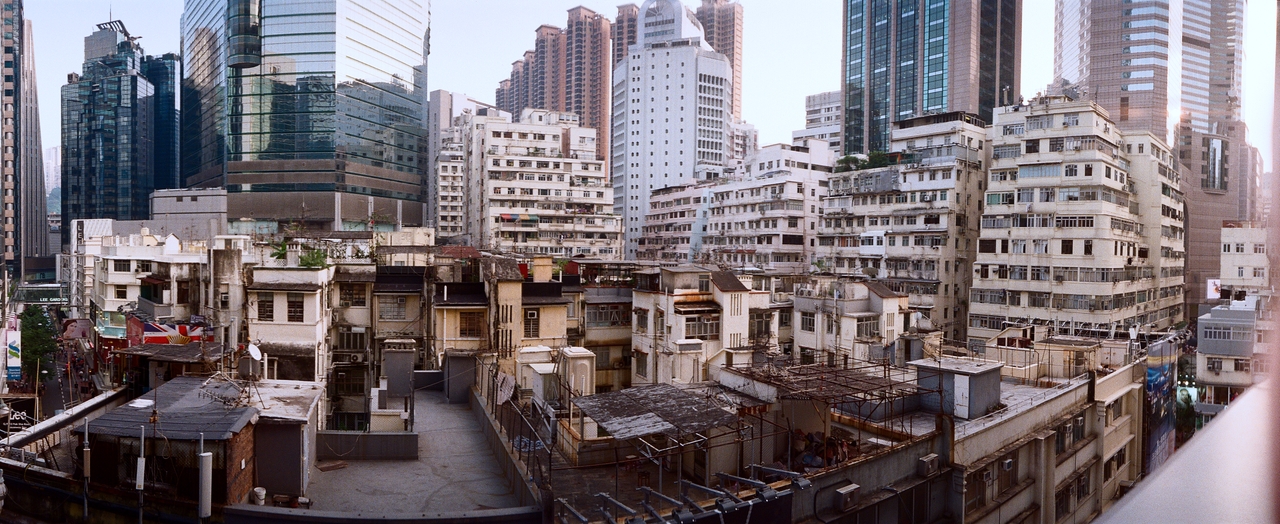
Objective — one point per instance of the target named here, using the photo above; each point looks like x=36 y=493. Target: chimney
x=541 y=269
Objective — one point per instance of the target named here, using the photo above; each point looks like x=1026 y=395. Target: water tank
x=244 y=37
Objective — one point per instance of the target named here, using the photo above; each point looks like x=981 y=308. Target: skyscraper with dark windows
x=309 y=114
x=22 y=219
x=905 y=58
x=119 y=128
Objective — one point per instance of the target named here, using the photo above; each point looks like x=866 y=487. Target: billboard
x=1213 y=291
x=1158 y=401
x=13 y=357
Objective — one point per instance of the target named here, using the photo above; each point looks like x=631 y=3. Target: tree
x=38 y=338
x=871 y=160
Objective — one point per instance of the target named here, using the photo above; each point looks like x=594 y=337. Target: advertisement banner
x=1159 y=397
x=13 y=357
x=1213 y=291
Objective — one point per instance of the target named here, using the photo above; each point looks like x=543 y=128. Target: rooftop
x=185 y=407
x=456 y=470
x=189 y=353
x=649 y=410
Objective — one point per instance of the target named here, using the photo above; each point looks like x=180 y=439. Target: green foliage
x=314 y=258
x=281 y=251
x=38 y=337
x=873 y=160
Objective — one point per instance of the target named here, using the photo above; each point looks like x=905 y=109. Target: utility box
x=847 y=496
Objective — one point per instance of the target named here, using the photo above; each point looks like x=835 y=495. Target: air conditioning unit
x=400 y=300
x=532 y=314
x=1006 y=465
x=344 y=303
x=928 y=465
x=988 y=476
x=847 y=496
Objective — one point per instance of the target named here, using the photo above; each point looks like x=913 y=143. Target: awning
x=690 y=308
x=506 y=216
x=152 y=280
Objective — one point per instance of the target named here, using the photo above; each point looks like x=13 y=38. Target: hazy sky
x=792 y=49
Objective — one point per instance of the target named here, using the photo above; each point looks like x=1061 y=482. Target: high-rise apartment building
x=1173 y=68
x=33 y=238
x=671 y=96
x=913 y=225
x=536 y=186
x=444 y=201
x=722 y=27
x=568 y=71
x=1082 y=232
x=625 y=33
x=823 y=113
x=906 y=58
x=329 y=112
x=24 y=214
x=119 y=128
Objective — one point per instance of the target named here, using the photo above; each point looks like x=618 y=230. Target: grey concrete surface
x=456 y=471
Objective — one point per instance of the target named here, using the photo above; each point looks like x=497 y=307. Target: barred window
x=608 y=315
x=532 y=324
x=352 y=295
x=349 y=339
x=293 y=307
x=266 y=307
x=702 y=327
x=471 y=324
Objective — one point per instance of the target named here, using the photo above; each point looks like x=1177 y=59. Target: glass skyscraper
x=905 y=58
x=309 y=112
x=119 y=129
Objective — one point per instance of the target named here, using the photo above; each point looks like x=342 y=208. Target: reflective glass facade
x=333 y=107
x=119 y=129
x=905 y=58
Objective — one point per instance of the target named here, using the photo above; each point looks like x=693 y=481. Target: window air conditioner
x=1006 y=465
x=531 y=314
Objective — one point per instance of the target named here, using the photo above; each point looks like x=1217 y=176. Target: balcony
x=156 y=311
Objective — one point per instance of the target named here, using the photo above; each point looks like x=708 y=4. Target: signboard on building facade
x=13 y=357
x=1158 y=401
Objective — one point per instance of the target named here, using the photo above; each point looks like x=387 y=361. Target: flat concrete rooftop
x=455 y=470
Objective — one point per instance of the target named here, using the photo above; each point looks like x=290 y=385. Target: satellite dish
x=255 y=353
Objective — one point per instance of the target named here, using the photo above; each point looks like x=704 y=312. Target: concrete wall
x=359 y=445
x=245 y=514
x=527 y=493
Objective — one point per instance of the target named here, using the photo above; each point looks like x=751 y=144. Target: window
x=806 y=321
x=1088 y=247
x=642 y=363
x=1033 y=146
x=122 y=292
x=1239 y=249
x=348 y=339
x=471 y=324
x=1242 y=364
x=702 y=327
x=266 y=307
x=144 y=266
x=1062 y=502
x=293 y=307
x=784 y=318
x=608 y=315
x=1260 y=249
x=391 y=307
x=704 y=283
x=975 y=489
x=642 y=321
x=868 y=327
x=120 y=266
x=1068 y=247
x=532 y=324
x=1259 y=272
x=1008 y=475
x=351 y=295
x=1082 y=483
x=1041 y=246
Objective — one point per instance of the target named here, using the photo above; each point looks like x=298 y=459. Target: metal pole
x=85 y=462
x=142 y=469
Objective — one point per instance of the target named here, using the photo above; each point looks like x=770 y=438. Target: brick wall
x=240 y=481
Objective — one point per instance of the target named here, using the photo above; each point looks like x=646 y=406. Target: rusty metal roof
x=650 y=410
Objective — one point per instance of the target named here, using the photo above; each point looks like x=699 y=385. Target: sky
x=791 y=49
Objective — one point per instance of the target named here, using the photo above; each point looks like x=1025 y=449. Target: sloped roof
x=189 y=353
x=726 y=281
x=649 y=410
x=185 y=407
x=882 y=290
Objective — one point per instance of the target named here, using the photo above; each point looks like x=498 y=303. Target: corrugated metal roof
x=189 y=353
x=649 y=410
x=726 y=281
x=184 y=407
